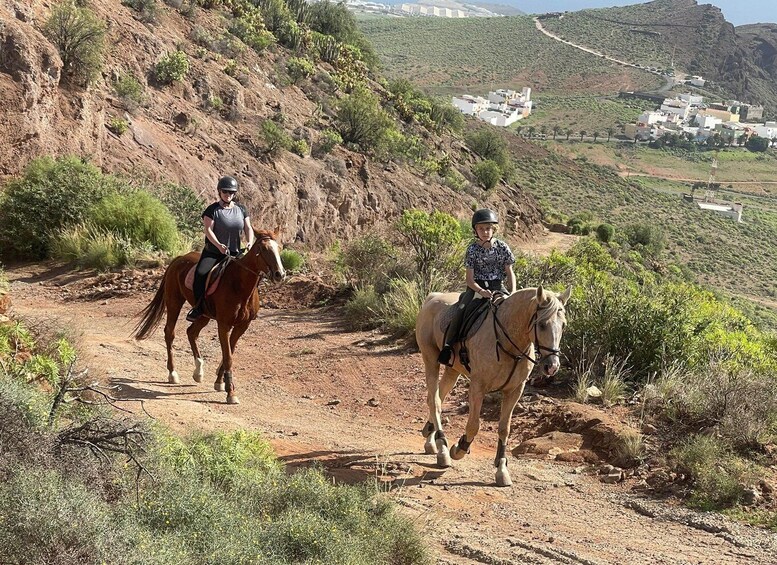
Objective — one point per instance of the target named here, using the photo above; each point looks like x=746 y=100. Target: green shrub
x=490 y=145
x=360 y=120
x=89 y=246
x=455 y=180
x=118 y=126
x=57 y=192
x=292 y=261
x=185 y=206
x=299 y=68
x=300 y=147
x=605 y=232
x=146 y=8
x=719 y=476
x=129 y=89
x=437 y=243
x=487 y=173
x=250 y=28
x=172 y=67
x=364 y=309
x=275 y=137
x=79 y=37
x=328 y=140
x=649 y=237
x=368 y=262
x=403 y=301
x=138 y=216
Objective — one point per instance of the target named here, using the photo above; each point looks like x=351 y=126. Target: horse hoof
x=503 y=475
x=443 y=459
x=232 y=399
x=173 y=378
x=219 y=387
x=457 y=453
x=197 y=377
x=430 y=448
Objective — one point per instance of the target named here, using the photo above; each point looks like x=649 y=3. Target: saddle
x=474 y=315
x=213 y=278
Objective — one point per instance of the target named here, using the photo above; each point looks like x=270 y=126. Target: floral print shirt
x=489 y=264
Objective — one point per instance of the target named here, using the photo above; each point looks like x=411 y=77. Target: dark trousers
x=452 y=333
x=207 y=261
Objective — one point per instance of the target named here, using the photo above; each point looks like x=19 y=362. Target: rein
x=258 y=274
x=521 y=354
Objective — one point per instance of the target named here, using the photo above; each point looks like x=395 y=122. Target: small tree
x=568 y=132
x=610 y=131
x=583 y=133
x=488 y=173
x=362 y=121
x=556 y=130
x=757 y=144
x=436 y=240
x=605 y=232
x=79 y=37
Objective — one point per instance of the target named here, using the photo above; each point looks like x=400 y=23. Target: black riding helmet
x=228 y=184
x=484 y=216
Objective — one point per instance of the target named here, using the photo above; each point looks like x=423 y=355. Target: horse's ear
x=564 y=296
x=540 y=295
x=278 y=232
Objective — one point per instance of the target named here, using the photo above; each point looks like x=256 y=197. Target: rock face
x=179 y=134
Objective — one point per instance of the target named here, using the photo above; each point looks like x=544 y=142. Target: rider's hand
x=224 y=248
x=485 y=293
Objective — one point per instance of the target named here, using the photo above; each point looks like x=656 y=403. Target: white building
x=693 y=100
x=696 y=81
x=470 y=105
x=706 y=121
x=768 y=130
x=650 y=118
x=675 y=106
x=501 y=118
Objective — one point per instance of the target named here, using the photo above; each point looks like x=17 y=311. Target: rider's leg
x=452 y=333
x=204 y=266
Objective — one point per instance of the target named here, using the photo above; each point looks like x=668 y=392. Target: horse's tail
x=152 y=314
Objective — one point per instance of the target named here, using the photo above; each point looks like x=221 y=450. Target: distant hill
x=694 y=38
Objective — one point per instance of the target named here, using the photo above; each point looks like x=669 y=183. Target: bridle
x=258 y=274
x=516 y=357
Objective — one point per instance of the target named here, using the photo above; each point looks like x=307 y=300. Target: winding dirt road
x=355 y=403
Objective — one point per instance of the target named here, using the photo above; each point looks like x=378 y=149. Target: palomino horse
x=235 y=303
x=502 y=353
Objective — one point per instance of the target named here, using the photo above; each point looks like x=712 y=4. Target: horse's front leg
x=225 y=370
x=193 y=332
x=237 y=332
x=435 y=437
x=476 y=394
x=509 y=400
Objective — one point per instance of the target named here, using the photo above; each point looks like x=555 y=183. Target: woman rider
x=224 y=220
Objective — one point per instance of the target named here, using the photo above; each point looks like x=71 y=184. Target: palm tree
x=543 y=130
x=610 y=131
x=568 y=132
x=557 y=130
x=531 y=131
x=583 y=133
x=518 y=130
x=595 y=134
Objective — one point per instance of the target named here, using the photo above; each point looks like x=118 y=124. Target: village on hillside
x=503 y=107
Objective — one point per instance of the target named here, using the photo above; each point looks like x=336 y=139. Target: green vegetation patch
x=477 y=54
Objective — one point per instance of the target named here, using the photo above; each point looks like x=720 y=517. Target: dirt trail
x=291 y=368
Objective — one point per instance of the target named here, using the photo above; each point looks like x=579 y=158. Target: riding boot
x=194 y=313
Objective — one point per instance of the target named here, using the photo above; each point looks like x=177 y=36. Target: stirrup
x=446 y=356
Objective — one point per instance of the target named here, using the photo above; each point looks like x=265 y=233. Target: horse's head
x=549 y=322
x=268 y=253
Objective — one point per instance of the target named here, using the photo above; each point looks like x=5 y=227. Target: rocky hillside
x=696 y=38
x=209 y=123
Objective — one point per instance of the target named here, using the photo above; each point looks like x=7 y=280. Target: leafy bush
x=489 y=144
x=364 y=309
x=437 y=243
x=129 y=89
x=299 y=68
x=79 y=37
x=118 y=126
x=250 y=28
x=605 y=232
x=299 y=147
x=368 y=262
x=275 y=137
x=328 y=140
x=146 y=8
x=758 y=144
x=487 y=173
x=57 y=193
x=137 y=216
x=719 y=476
x=361 y=120
x=292 y=261
x=403 y=301
x=185 y=206
x=649 y=237
x=172 y=67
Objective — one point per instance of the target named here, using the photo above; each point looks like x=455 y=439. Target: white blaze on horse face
x=549 y=332
x=278 y=272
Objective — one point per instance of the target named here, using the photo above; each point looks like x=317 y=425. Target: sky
x=738 y=12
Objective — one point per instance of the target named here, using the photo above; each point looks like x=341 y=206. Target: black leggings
x=206 y=263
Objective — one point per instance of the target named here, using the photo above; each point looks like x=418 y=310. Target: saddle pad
x=474 y=315
x=214 y=276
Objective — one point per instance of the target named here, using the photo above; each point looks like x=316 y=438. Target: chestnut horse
x=235 y=303
x=519 y=331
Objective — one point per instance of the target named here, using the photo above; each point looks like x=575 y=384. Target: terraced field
x=478 y=54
